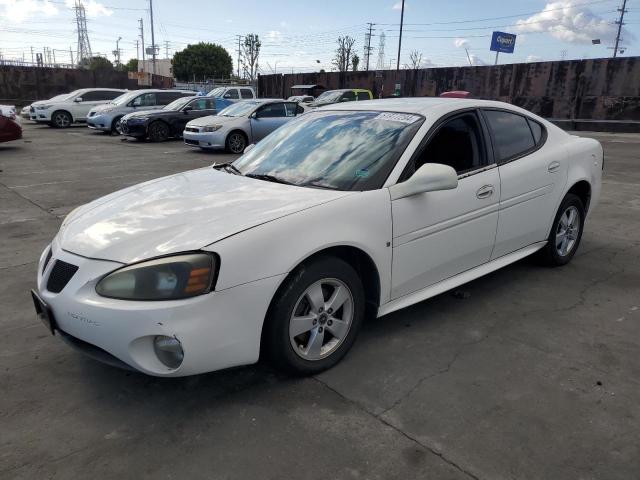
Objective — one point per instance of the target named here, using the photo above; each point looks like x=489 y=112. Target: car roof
x=349 y=90
x=421 y=105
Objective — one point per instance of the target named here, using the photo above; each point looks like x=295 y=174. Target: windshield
x=122 y=99
x=178 y=104
x=331 y=96
x=337 y=150
x=239 y=109
x=216 y=92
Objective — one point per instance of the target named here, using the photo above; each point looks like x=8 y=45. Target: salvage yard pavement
x=528 y=372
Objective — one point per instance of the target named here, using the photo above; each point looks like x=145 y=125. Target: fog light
x=168 y=350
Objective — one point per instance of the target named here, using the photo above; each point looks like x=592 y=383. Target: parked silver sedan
x=240 y=124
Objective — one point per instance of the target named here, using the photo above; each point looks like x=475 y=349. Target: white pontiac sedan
x=351 y=210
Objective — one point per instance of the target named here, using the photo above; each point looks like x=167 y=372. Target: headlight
x=211 y=128
x=43 y=107
x=167 y=278
x=105 y=110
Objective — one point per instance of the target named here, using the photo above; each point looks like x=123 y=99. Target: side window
x=348 y=96
x=246 y=93
x=511 y=134
x=94 y=96
x=299 y=110
x=231 y=93
x=198 y=104
x=272 y=110
x=457 y=143
x=110 y=94
x=363 y=96
x=536 y=129
x=291 y=109
x=165 y=98
x=144 y=100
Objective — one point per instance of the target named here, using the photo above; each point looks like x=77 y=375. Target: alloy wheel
x=321 y=319
x=62 y=120
x=567 y=231
x=236 y=143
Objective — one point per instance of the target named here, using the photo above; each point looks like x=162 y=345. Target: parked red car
x=9 y=129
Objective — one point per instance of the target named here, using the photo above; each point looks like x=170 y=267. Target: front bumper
x=41 y=115
x=100 y=122
x=213 y=140
x=137 y=129
x=217 y=330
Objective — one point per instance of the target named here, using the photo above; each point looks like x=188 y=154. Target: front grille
x=192 y=129
x=60 y=275
x=46 y=260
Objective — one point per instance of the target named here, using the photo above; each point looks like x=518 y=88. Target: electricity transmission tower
x=381 y=42
x=84 y=47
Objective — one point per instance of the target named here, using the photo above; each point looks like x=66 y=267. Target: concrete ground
x=535 y=374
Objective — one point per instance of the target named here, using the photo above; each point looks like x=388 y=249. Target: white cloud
x=570 y=22
x=92 y=7
x=17 y=11
x=398 y=6
x=533 y=58
x=274 y=34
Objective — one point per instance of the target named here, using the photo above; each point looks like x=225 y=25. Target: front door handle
x=553 y=167
x=485 y=192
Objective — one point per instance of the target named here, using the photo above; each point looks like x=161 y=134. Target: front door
x=266 y=119
x=437 y=235
x=533 y=175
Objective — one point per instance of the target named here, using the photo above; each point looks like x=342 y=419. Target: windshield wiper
x=317 y=185
x=269 y=178
x=227 y=167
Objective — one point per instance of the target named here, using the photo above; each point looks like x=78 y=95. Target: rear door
x=267 y=118
x=90 y=99
x=532 y=175
x=437 y=235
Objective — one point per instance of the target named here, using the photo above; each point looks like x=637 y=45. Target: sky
x=301 y=35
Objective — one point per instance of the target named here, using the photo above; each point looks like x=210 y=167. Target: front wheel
x=61 y=119
x=236 y=142
x=115 y=126
x=316 y=316
x=566 y=232
x=158 y=131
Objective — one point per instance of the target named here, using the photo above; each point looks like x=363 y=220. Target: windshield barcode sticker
x=398 y=117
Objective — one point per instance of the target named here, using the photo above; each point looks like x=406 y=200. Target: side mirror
x=430 y=177
x=226 y=95
x=345 y=100
x=249 y=147
x=78 y=99
x=187 y=109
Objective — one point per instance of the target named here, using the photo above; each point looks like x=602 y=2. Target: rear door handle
x=485 y=192
x=553 y=167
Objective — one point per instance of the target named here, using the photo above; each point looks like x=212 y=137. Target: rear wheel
x=61 y=119
x=566 y=232
x=158 y=131
x=236 y=142
x=316 y=317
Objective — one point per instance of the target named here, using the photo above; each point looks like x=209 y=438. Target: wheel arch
x=582 y=189
x=237 y=130
x=65 y=111
x=357 y=258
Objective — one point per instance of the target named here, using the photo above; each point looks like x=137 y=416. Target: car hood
x=152 y=113
x=213 y=119
x=104 y=106
x=180 y=213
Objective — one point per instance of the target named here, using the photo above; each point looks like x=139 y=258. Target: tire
x=61 y=119
x=158 y=131
x=306 y=337
x=236 y=142
x=115 y=125
x=566 y=233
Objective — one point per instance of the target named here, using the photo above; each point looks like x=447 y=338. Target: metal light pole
x=620 y=23
x=153 y=38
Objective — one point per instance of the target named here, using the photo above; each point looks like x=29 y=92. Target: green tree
x=355 y=61
x=202 y=60
x=131 y=65
x=97 y=63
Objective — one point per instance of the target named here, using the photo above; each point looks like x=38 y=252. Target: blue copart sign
x=503 y=42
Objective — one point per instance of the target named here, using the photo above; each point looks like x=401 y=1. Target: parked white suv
x=73 y=108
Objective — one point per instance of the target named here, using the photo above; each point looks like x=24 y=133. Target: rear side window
x=536 y=129
x=272 y=110
x=144 y=100
x=246 y=93
x=363 y=96
x=511 y=134
x=291 y=108
x=109 y=95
